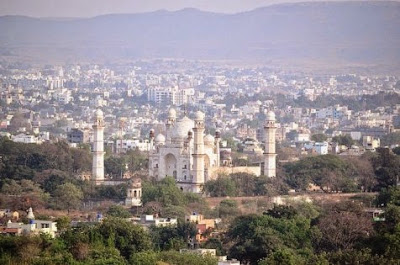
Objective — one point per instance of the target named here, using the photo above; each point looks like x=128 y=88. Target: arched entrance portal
x=170 y=165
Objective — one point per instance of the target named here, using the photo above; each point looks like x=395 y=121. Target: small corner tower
x=269 y=152
x=198 y=153
x=98 y=148
x=134 y=193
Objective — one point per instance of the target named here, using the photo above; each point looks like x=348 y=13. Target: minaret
x=151 y=151
x=217 y=141
x=198 y=153
x=170 y=123
x=151 y=140
x=269 y=152
x=98 y=148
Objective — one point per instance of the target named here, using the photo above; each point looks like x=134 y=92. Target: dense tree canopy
x=344 y=140
x=319 y=137
x=245 y=184
x=329 y=172
x=256 y=237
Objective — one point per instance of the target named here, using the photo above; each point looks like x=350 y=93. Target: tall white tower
x=170 y=123
x=98 y=148
x=269 y=152
x=198 y=153
x=217 y=151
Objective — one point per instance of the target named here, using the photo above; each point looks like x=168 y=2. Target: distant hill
x=329 y=32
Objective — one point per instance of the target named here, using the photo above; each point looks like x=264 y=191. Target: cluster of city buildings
x=33 y=227
x=55 y=103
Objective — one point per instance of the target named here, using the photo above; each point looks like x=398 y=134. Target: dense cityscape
x=189 y=161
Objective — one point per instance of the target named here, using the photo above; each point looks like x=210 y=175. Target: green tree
x=342 y=228
x=256 y=237
x=390 y=139
x=363 y=171
x=67 y=196
x=396 y=150
x=329 y=172
x=245 y=183
x=221 y=187
x=81 y=159
x=101 y=255
x=176 y=258
x=355 y=256
x=136 y=160
x=128 y=238
x=118 y=211
x=173 y=238
x=215 y=243
x=11 y=188
x=228 y=208
x=387 y=168
x=283 y=257
x=117 y=192
x=115 y=166
x=319 y=137
x=144 y=258
x=18 y=121
x=344 y=140
x=282 y=211
x=165 y=191
x=63 y=223
x=390 y=195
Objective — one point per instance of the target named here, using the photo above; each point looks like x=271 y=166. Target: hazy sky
x=89 y=8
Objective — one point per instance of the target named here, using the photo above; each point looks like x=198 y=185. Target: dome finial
x=99 y=113
x=199 y=116
x=172 y=113
x=270 y=116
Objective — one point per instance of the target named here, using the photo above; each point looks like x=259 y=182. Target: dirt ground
x=253 y=204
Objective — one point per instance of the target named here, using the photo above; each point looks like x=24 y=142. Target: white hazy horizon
x=91 y=8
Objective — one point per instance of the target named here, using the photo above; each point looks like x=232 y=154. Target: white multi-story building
x=122 y=146
x=34 y=226
x=371 y=143
x=321 y=148
x=24 y=138
x=171 y=95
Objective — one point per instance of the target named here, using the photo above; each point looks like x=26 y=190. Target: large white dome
x=160 y=139
x=172 y=113
x=270 y=116
x=209 y=139
x=182 y=127
x=199 y=115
